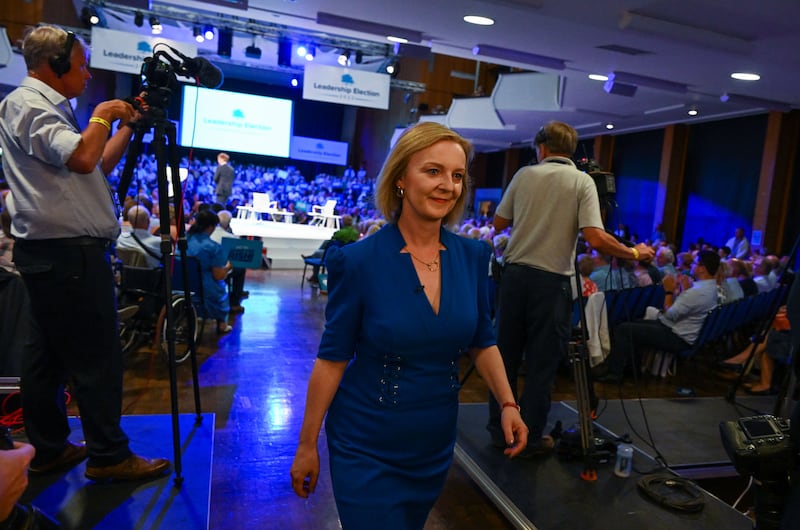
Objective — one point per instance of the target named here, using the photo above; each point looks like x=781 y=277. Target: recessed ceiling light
x=598 y=77
x=609 y=126
x=401 y=40
x=745 y=76
x=693 y=111
x=479 y=20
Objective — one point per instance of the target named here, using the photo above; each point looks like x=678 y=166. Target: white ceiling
x=698 y=43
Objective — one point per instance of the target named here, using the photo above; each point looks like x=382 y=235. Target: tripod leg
x=182 y=245
x=166 y=254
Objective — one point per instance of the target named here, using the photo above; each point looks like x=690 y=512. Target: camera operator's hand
x=115 y=109
x=646 y=253
x=13 y=476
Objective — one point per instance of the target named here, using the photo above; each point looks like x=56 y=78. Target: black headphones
x=60 y=64
x=541 y=137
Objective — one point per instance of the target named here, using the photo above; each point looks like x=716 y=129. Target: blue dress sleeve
x=344 y=310
x=484 y=331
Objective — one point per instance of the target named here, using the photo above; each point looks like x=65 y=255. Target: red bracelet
x=510 y=404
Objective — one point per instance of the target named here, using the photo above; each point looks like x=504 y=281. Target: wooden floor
x=254 y=379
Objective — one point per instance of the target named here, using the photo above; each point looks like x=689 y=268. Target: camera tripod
x=165 y=147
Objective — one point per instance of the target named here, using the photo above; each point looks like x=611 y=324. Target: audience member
x=214 y=268
x=676 y=327
x=729 y=283
x=63 y=256
x=237 y=275
x=739 y=245
x=139 y=238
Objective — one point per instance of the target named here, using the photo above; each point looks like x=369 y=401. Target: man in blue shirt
x=677 y=326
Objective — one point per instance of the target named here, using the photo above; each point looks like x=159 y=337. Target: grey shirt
x=548 y=204
x=38 y=134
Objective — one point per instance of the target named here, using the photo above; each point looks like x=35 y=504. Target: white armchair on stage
x=325 y=215
x=262 y=205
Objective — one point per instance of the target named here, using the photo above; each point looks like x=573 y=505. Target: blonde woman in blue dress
x=403 y=306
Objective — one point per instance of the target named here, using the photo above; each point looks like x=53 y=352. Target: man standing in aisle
x=739 y=245
x=547 y=204
x=63 y=255
x=223 y=179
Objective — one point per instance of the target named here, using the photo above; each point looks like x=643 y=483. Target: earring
x=400 y=192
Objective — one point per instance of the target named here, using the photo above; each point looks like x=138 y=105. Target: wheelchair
x=142 y=288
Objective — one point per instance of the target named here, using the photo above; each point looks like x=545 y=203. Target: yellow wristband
x=635 y=254
x=101 y=121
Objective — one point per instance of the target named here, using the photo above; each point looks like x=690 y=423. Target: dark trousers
x=533 y=322
x=237 y=286
x=630 y=336
x=74 y=307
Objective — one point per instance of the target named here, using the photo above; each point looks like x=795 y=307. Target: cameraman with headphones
x=64 y=221
x=547 y=204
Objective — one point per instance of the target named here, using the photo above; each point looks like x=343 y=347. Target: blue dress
x=391 y=426
x=215 y=303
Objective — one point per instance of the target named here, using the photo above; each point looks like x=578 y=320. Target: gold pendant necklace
x=433 y=266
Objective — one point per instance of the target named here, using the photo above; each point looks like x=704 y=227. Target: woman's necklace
x=433 y=266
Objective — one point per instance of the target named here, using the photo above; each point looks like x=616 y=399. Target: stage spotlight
x=392 y=67
x=198 y=34
x=208 y=32
x=302 y=50
x=138 y=19
x=253 y=51
x=284 y=53
x=344 y=58
x=89 y=16
x=224 y=42
x=295 y=82
x=311 y=52
x=155 y=25
x=359 y=56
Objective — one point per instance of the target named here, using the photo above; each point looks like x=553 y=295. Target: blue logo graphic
x=238 y=113
x=143 y=46
x=320 y=145
x=347 y=78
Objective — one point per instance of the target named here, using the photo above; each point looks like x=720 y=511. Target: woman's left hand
x=514 y=429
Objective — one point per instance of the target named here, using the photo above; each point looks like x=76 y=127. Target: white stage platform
x=285 y=242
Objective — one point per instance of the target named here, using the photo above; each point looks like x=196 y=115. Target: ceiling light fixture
x=311 y=52
x=295 y=82
x=598 y=77
x=650 y=82
x=530 y=59
x=392 y=38
x=344 y=58
x=302 y=50
x=745 y=76
x=609 y=126
x=328 y=19
x=198 y=34
x=479 y=20
x=693 y=111
x=208 y=32
x=738 y=99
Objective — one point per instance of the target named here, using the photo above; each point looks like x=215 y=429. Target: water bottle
x=624 y=460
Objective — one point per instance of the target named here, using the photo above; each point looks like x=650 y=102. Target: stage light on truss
x=344 y=58
x=284 y=53
x=155 y=25
x=311 y=52
x=138 y=19
x=208 y=32
x=198 y=34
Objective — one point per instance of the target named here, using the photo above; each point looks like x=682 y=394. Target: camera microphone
x=419 y=288
x=206 y=73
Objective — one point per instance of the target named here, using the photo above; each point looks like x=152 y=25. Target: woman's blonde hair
x=415 y=139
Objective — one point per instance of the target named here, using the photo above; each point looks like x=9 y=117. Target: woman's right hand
x=305 y=470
